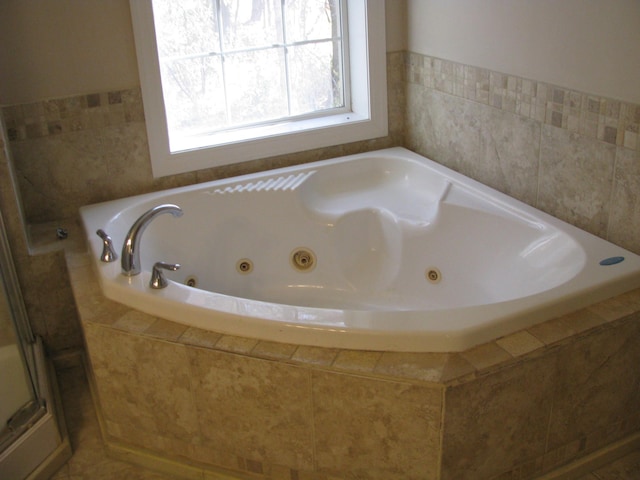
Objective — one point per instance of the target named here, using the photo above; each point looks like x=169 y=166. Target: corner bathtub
x=384 y=250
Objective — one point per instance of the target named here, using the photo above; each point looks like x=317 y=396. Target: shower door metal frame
x=36 y=446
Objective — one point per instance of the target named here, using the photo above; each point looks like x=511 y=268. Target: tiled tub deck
x=205 y=405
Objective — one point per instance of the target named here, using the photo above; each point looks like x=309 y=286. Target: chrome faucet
x=130 y=260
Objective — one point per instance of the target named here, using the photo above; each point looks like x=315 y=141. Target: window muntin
x=232 y=63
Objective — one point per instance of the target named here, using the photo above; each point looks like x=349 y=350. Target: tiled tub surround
x=571 y=154
x=199 y=403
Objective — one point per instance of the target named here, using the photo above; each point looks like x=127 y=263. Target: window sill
x=205 y=151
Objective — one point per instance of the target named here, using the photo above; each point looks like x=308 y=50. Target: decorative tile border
x=72 y=114
x=611 y=121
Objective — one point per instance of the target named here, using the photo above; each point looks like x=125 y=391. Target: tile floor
x=89 y=461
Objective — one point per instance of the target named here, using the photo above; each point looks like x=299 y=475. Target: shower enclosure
x=31 y=444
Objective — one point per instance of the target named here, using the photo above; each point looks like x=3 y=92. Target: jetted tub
x=384 y=250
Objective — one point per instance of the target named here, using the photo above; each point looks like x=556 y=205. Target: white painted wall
x=396 y=25
x=58 y=48
x=588 y=45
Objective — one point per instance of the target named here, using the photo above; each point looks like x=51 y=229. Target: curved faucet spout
x=130 y=258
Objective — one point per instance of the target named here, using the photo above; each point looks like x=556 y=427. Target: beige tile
x=165 y=329
x=274 y=350
x=200 y=338
x=579 y=321
x=486 y=356
x=78 y=260
x=134 y=321
x=497 y=148
x=315 y=355
x=357 y=361
x=551 y=331
x=498 y=421
x=596 y=394
x=231 y=343
x=576 y=178
x=143 y=383
x=431 y=367
x=519 y=343
x=375 y=429
x=89 y=460
x=624 y=225
x=618 y=307
x=582 y=320
x=457 y=368
x=259 y=409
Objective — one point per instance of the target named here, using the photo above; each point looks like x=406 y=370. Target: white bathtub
x=408 y=256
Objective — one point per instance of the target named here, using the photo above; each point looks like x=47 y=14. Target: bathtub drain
x=191 y=281
x=303 y=259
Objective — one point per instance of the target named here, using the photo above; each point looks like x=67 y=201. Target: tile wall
x=571 y=154
x=42 y=273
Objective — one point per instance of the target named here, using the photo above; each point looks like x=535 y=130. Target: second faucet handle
x=108 y=252
x=157 y=275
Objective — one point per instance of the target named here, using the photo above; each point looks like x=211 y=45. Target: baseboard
x=604 y=456
x=167 y=466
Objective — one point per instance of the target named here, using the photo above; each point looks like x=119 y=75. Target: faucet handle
x=157 y=275
x=108 y=252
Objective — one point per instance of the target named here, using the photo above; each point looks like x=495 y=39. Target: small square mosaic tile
x=70 y=114
x=608 y=120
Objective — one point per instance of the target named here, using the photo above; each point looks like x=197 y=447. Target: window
x=226 y=81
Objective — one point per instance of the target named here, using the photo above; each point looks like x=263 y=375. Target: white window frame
x=367 y=118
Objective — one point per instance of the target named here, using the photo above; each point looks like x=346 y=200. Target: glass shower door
x=18 y=400
x=31 y=446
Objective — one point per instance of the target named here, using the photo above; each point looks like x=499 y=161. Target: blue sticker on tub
x=611 y=260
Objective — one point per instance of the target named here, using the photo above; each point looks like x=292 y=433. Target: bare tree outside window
x=233 y=63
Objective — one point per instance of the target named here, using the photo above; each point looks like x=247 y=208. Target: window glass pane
x=250 y=23
x=256 y=86
x=237 y=63
x=185 y=27
x=315 y=75
x=311 y=20
x=194 y=94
